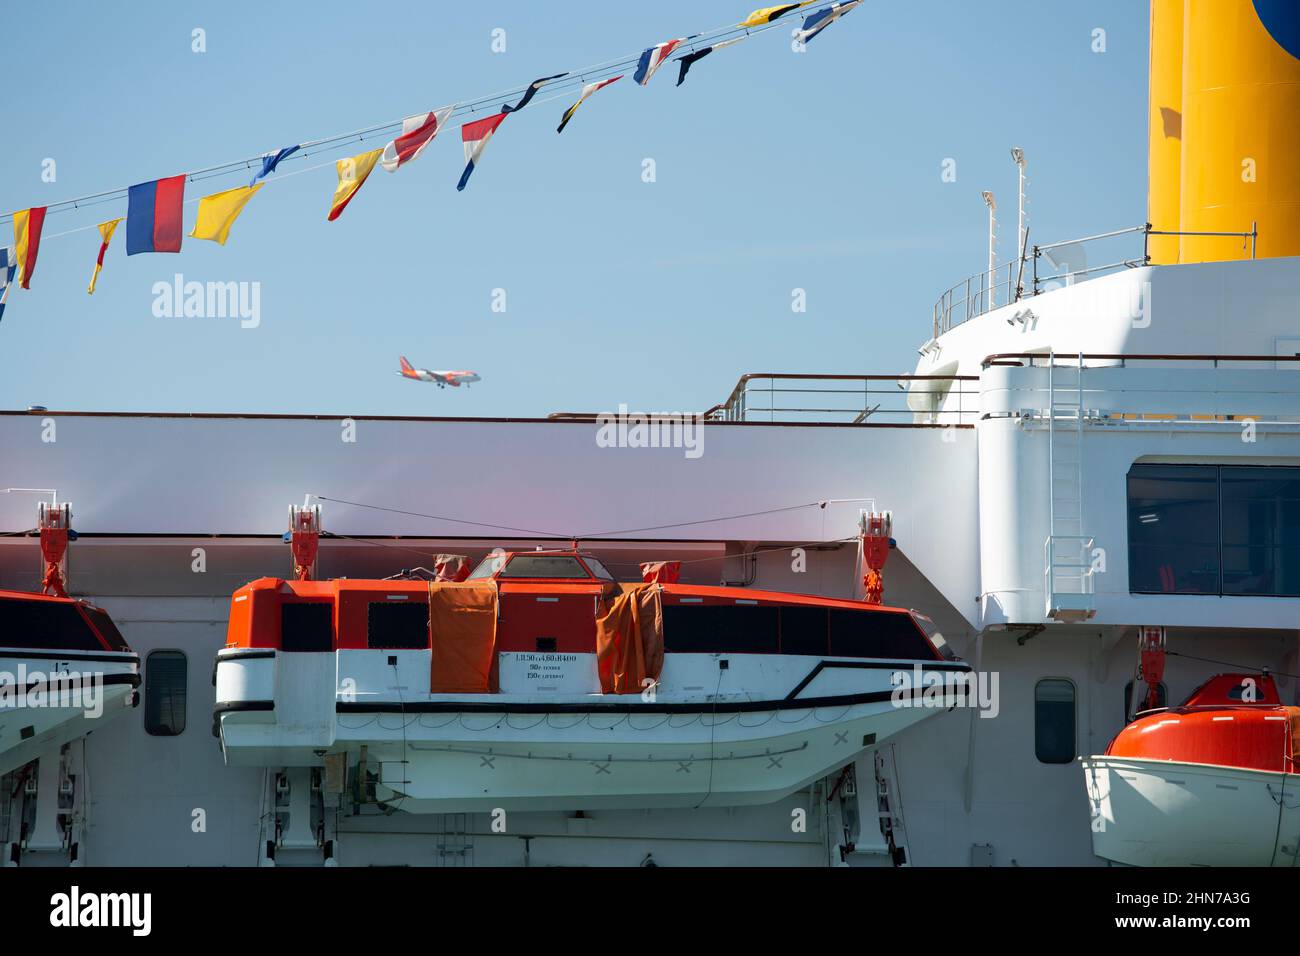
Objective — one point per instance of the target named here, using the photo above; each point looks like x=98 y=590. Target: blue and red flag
x=153 y=216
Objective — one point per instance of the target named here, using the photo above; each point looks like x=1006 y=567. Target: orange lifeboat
x=541 y=682
x=1212 y=782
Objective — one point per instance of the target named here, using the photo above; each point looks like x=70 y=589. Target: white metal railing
x=1018 y=278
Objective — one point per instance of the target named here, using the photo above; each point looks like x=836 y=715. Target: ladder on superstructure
x=1067 y=551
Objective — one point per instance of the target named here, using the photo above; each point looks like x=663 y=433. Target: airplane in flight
x=439 y=378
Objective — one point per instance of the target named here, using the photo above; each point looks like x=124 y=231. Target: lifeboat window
x=544 y=566
x=1054 y=720
x=488 y=567
x=598 y=569
x=45 y=624
x=107 y=629
x=804 y=631
x=877 y=634
x=165 y=686
x=1162 y=699
x=397 y=626
x=307 y=627
x=721 y=629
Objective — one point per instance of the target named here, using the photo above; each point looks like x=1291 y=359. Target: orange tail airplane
x=439 y=378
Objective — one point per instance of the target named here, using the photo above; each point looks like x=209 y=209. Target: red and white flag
x=417 y=132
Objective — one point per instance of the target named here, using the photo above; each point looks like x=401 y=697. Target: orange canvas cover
x=462 y=634
x=629 y=637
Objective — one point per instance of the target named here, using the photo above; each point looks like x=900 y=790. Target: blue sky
x=775 y=170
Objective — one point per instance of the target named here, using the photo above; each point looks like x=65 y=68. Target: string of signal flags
x=154 y=214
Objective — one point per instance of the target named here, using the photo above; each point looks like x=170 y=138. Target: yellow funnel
x=1237 y=127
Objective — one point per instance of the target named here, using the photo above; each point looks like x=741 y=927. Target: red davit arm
x=876 y=529
x=54 y=523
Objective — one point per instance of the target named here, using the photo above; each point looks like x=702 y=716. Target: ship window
x=307 y=627
x=1162 y=698
x=165 y=676
x=1209 y=529
x=1173 y=529
x=720 y=629
x=397 y=625
x=1261 y=531
x=45 y=624
x=803 y=631
x=877 y=634
x=544 y=566
x=1054 y=720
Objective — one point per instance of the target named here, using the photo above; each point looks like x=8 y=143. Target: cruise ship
x=1033 y=602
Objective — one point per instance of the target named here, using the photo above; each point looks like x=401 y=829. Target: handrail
x=1006 y=358
x=979 y=292
x=737 y=407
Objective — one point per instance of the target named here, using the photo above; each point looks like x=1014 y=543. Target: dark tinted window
x=107 y=629
x=1209 y=529
x=544 y=566
x=1173 y=529
x=397 y=625
x=44 y=624
x=803 y=631
x=877 y=634
x=1261 y=530
x=165 y=676
x=1054 y=721
x=720 y=629
x=307 y=627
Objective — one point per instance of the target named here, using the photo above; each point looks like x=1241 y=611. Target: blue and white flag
x=654 y=58
x=818 y=21
x=689 y=59
x=271 y=160
x=8 y=269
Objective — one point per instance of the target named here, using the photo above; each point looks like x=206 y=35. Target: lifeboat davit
x=1210 y=783
x=541 y=683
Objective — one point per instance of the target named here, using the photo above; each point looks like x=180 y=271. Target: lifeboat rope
x=569 y=758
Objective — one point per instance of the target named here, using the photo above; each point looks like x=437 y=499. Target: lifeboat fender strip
x=67 y=655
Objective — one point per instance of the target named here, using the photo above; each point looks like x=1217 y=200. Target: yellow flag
x=761 y=17
x=218 y=212
x=352 y=173
x=106 y=230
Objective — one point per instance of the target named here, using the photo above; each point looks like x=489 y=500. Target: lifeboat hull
x=32 y=724
x=1168 y=813
x=440 y=753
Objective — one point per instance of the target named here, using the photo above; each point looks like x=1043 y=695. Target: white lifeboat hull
x=32 y=724
x=1169 y=813
x=749 y=733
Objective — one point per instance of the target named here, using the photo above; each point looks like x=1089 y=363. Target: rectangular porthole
x=1054 y=720
x=165 y=693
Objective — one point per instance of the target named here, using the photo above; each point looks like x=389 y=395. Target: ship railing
x=1066 y=263
x=1189 y=390
x=874 y=400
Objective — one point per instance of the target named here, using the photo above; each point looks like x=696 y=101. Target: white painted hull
x=686 y=747
x=27 y=732
x=1165 y=813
